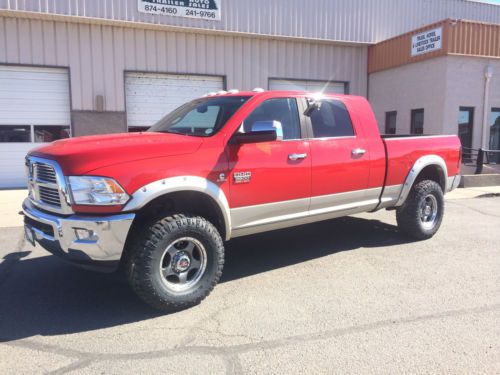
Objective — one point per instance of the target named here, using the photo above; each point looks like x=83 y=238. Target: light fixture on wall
x=99 y=103
x=488 y=74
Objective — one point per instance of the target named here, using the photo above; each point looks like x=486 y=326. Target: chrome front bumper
x=58 y=234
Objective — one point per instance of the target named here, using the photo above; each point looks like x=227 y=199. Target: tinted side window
x=283 y=110
x=331 y=119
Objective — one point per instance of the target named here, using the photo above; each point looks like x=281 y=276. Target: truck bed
x=402 y=151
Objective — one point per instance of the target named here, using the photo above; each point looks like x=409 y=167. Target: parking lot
x=349 y=295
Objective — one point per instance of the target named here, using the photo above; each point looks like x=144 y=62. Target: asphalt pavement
x=350 y=295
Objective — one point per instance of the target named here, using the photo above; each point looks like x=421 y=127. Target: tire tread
x=407 y=216
x=140 y=270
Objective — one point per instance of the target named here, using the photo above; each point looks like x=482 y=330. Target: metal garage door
x=301 y=85
x=34 y=109
x=150 y=96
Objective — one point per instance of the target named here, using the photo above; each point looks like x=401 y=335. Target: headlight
x=99 y=191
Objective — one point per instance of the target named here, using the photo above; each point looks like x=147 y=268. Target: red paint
x=136 y=159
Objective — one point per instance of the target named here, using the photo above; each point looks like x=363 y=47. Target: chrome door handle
x=358 y=152
x=297 y=156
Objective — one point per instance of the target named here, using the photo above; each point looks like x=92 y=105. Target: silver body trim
x=155 y=189
x=111 y=233
x=419 y=165
x=390 y=196
x=277 y=215
x=453 y=182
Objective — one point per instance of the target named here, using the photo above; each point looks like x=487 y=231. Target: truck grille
x=45 y=173
x=49 y=195
x=46 y=185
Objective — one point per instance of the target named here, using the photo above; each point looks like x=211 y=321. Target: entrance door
x=495 y=135
x=465 y=122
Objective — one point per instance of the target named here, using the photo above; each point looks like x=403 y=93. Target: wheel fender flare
x=417 y=167
x=155 y=189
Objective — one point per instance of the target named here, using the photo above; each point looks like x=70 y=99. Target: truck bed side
x=406 y=152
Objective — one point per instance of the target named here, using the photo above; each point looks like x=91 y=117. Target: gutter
x=162 y=27
x=488 y=74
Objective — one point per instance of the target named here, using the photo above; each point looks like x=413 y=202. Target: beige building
x=79 y=67
x=453 y=89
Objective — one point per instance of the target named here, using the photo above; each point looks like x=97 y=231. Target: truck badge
x=242 y=177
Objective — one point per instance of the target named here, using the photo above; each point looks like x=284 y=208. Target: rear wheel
x=177 y=263
x=421 y=215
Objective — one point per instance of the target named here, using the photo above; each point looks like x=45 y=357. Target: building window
x=32 y=133
x=50 y=133
x=390 y=122
x=465 y=122
x=15 y=133
x=331 y=119
x=495 y=135
x=417 y=121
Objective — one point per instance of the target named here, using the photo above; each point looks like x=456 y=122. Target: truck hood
x=81 y=155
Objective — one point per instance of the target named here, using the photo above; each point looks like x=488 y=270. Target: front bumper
x=101 y=251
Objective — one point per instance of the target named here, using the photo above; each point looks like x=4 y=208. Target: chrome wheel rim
x=429 y=211
x=182 y=264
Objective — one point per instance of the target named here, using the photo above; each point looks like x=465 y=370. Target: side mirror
x=311 y=106
x=262 y=131
x=202 y=109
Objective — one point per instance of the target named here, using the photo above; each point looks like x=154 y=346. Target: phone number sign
x=202 y=9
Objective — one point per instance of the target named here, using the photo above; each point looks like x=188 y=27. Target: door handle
x=297 y=156
x=358 y=152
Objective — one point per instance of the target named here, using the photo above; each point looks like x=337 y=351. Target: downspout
x=488 y=73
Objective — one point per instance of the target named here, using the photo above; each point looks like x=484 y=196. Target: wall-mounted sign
x=428 y=41
x=204 y=9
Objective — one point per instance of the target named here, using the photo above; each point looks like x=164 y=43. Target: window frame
x=300 y=118
x=412 y=120
x=387 y=115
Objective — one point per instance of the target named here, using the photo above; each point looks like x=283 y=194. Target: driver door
x=270 y=182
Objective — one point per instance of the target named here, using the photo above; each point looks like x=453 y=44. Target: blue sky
x=490 y=1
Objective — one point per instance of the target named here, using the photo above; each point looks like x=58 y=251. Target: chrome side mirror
x=265 y=126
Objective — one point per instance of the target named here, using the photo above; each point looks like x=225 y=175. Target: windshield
x=201 y=117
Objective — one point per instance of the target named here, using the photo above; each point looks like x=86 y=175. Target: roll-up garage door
x=150 y=96
x=34 y=109
x=304 y=85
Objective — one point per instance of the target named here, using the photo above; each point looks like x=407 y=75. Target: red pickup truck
x=161 y=203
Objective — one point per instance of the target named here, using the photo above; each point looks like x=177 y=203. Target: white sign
x=203 y=9
x=425 y=42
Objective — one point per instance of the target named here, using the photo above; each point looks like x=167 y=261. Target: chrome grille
x=49 y=195
x=45 y=173
x=47 y=188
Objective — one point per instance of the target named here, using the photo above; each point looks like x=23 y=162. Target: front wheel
x=177 y=263
x=421 y=214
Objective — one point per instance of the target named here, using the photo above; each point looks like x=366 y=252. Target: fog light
x=85 y=234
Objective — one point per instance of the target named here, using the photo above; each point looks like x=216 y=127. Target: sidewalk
x=10 y=205
x=11 y=200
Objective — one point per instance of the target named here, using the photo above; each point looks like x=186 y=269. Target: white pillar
x=488 y=73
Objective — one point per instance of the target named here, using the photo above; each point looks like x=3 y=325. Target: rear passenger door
x=340 y=163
